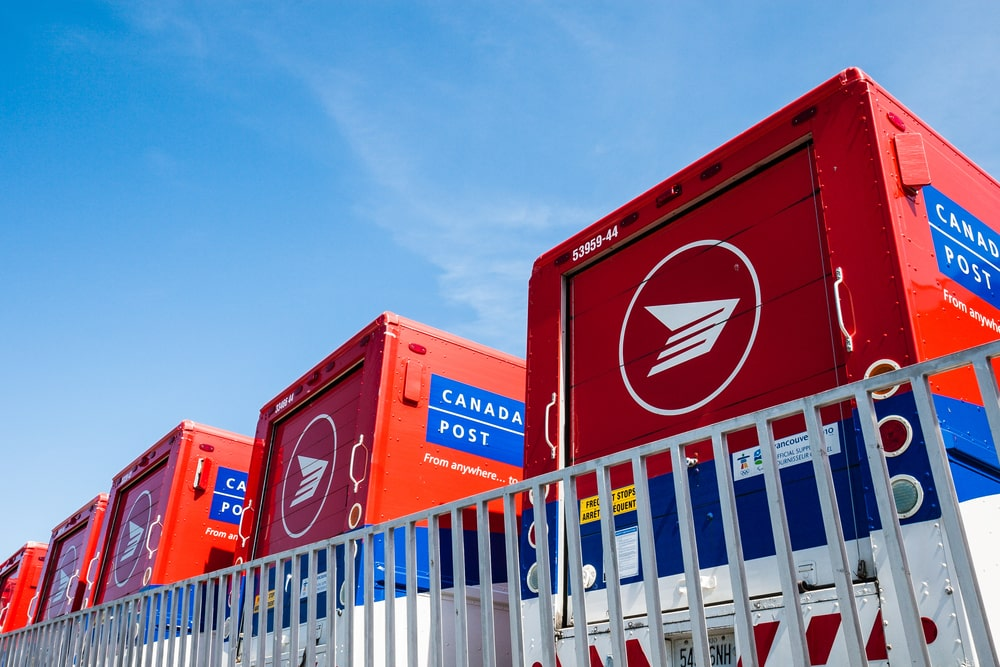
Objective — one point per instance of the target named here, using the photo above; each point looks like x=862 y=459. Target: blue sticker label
x=968 y=250
x=227 y=497
x=475 y=421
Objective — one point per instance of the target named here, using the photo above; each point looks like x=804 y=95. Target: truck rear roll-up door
x=682 y=327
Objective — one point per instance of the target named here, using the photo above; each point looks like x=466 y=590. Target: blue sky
x=198 y=201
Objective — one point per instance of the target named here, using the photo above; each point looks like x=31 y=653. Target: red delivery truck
x=838 y=239
x=173 y=512
x=70 y=562
x=18 y=585
x=399 y=418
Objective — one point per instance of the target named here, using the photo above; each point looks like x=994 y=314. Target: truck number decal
x=595 y=243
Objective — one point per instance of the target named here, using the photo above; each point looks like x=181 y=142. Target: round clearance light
x=531 y=535
x=532 y=579
x=881 y=367
x=907 y=494
x=354 y=518
x=896 y=434
x=589 y=576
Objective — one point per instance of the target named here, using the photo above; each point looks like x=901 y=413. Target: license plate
x=721 y=651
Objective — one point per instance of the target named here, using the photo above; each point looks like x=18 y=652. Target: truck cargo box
x=399 y=418
x=838 y=239
x=18 y=585
x=173 y=512
x=70 y=562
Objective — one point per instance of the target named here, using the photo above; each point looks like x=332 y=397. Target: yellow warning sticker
x=270 y=601
x=622 y=500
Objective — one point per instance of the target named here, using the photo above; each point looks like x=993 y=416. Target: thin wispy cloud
x=482 y=241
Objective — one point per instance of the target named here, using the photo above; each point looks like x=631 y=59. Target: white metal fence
x=389 y=594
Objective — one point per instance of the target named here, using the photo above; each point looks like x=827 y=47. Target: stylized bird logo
x=695 y=328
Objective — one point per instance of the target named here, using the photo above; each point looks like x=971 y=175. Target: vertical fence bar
x=608 y=542
x=459 y=593
x=219 y=617
x=898 y=564
x=958 y=544
x=244 y=640
x=689 y=552
x=412 y=590
x=349 y=599
x=783 y=546
x=199 y=593
x=434 y=555
x=312 y=620
x=546 y=592
x=263 y=604
x=484 y=545
x=577 y=590
x=281 y=584
x=234 y=607
x=512 y=530
x=331 y=603
x=647 y=554
x=87 y=647
x=389 y=550
x=836 y=546
x=294 y=607
x=164 y=636
x=368 y=550
x=746 y=646
x=175 y=626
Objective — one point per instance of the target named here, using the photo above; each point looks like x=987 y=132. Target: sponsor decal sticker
x=790 y=451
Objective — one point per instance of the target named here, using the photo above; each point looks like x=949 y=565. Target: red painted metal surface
x=18 y=584
x=399 y=418
x=174 y=512
x=70 y=561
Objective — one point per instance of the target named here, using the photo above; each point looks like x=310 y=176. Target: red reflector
x=417 y=348
x=930 y=630
x=897 y=122
x=896 y=434
x=206 y=448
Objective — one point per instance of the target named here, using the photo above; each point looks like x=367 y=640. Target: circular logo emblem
x=67 y=569
x=308 y=476
x=131 y=537
x=689 y=327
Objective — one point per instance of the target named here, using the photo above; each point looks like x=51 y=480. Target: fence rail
x=398 y=592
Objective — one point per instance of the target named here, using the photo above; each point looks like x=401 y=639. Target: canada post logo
x=131 y=538
x=689 y=327
x=473 y=420
x=69 y=567
x=968 y=250
x=308 y=476
x=227 y=495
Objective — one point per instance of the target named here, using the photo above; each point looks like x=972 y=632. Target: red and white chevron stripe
x=821 y=635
